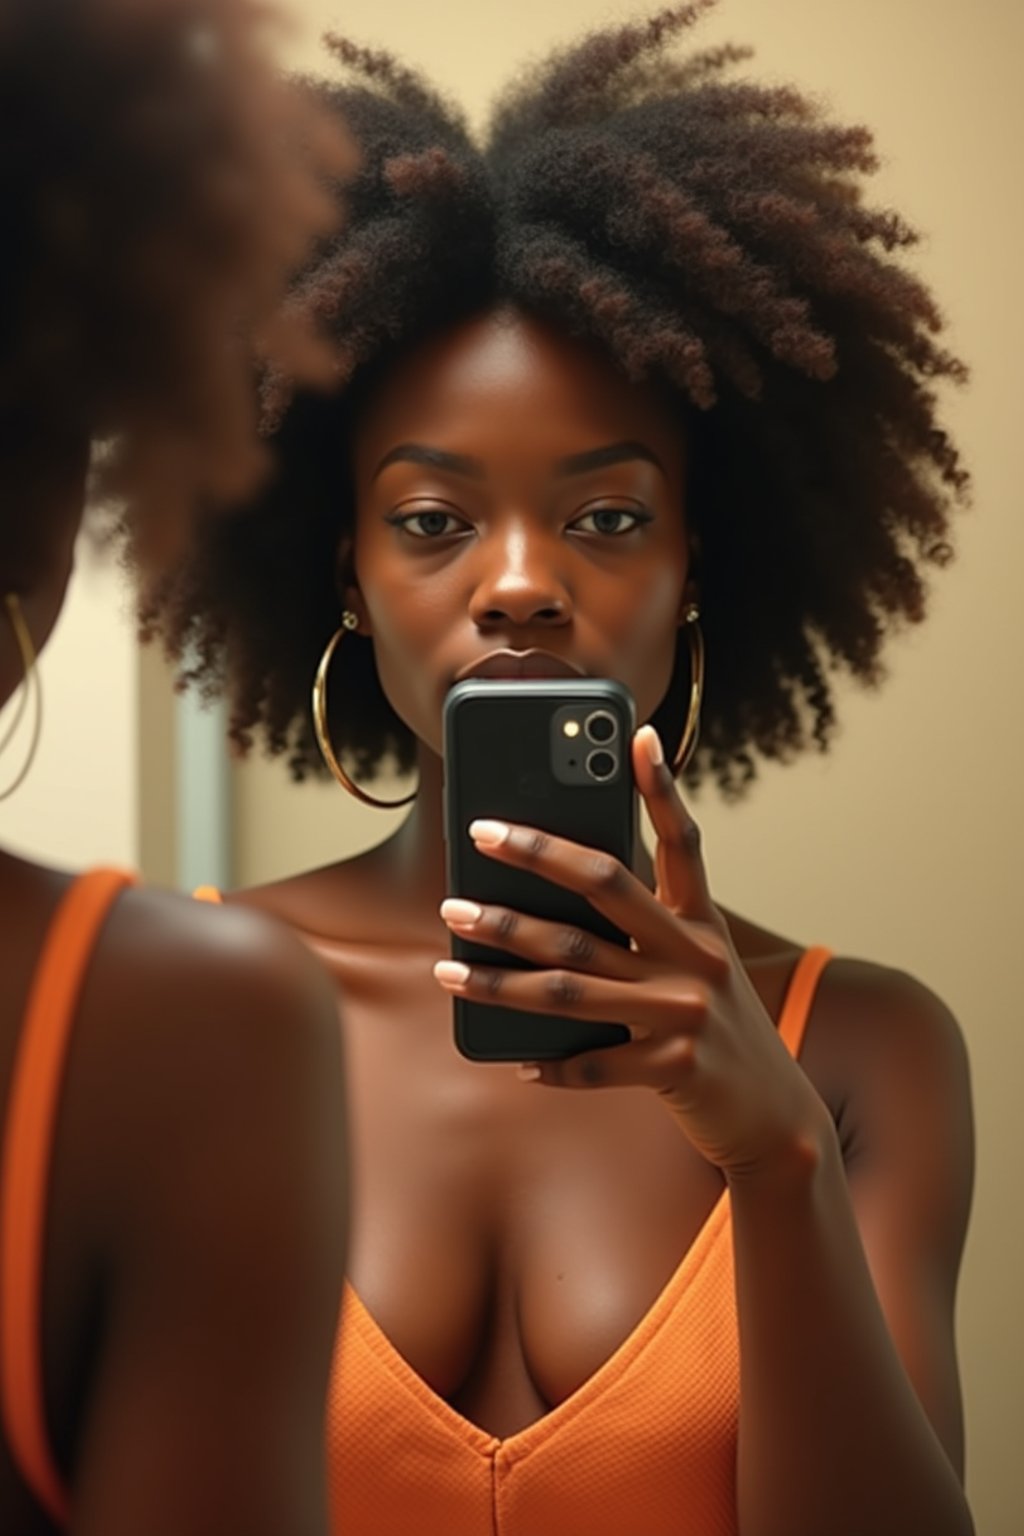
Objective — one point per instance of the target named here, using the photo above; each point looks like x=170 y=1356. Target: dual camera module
x=587 y=745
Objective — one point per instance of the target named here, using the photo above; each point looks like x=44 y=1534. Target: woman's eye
x=429 y=524
x=610 y=521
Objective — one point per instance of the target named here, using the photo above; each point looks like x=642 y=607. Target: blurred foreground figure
x=172 y=1179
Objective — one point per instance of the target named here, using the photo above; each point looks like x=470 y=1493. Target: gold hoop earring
x=31 y=686
x=691 y=730
x=349 y=622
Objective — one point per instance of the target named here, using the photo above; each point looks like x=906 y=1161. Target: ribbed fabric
x=646 y=1447
x=25 y=1172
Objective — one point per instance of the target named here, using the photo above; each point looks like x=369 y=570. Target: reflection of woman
x=649 y=353
x=171 y=1184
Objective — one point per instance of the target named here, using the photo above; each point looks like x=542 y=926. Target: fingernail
x=451 y=973
x=652 y=745
x=462 y=913
x=489 y=834
x=527 y=1073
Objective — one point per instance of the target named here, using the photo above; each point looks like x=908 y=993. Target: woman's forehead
x=504 y=375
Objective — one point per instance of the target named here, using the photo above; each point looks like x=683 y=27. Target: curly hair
x=708 y=233
x=161 y=185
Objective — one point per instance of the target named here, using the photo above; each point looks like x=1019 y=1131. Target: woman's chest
x=507 y=1238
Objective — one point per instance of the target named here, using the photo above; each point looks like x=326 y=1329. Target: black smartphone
x=551 y=754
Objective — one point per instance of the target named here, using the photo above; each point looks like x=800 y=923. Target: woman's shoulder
x=868 y=1011
x=885 y=1046
x=888 y=1057
x=871 y=1025
x=172 y=977
x=200 y=1161
x=159 y=932
x=200 y=1032
x=147 y=969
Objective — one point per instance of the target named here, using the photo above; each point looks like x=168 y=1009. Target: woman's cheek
x=410 y=688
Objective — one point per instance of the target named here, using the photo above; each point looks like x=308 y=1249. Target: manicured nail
x=462 y=913
x=489 y=834
x=527 y=1073
x=451 y=973
x=652 y=745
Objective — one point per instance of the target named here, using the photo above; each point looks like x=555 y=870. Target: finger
x=644 y=1008
x=679 y=864
x=604 y=881
x=665 y=1064
x=549 y=945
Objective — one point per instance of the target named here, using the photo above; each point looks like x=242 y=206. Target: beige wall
x=79 y=804
x=906 y=845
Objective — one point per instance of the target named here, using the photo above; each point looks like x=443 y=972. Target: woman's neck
x=415 y=855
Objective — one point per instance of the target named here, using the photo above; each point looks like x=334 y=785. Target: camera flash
x=571 y=728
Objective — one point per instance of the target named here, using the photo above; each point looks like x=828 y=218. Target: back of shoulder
x=191 y=967
x=202 y=1168
x=206 y=1027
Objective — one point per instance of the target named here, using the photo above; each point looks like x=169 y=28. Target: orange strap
x=25 y=1170
x=208 y=893
x=796 y=1010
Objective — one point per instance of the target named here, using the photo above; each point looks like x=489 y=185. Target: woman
x=172 y=1182
x=640 y=373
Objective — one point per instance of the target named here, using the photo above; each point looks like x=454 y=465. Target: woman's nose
x=520 y=584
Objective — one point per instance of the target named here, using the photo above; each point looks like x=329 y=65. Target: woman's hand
x=700 y=1036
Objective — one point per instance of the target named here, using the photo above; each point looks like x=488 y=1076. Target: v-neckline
x=714 y=1226
x=791 y=1024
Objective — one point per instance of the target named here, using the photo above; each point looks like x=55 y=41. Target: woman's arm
x=850 y=1417
x=834 y=1439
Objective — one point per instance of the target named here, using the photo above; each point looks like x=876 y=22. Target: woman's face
x=515 y=493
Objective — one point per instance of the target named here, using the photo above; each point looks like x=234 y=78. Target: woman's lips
x=532 y=663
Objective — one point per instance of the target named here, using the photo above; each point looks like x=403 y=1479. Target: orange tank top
x=647 y=1445
x=32 y=1109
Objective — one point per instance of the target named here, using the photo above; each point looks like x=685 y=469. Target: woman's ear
x=690 y=600
x=691 y=589
x=353 y=601
x=348 y=589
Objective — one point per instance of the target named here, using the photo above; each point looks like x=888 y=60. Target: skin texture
x=512 y=1229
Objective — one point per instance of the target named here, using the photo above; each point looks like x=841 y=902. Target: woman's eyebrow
x=473 y=469
x=600 y=458
x=434 y=458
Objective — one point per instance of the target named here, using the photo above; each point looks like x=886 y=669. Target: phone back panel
x=501 y=743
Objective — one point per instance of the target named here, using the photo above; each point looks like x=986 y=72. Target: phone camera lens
x=601 y=726
x=601 y=765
